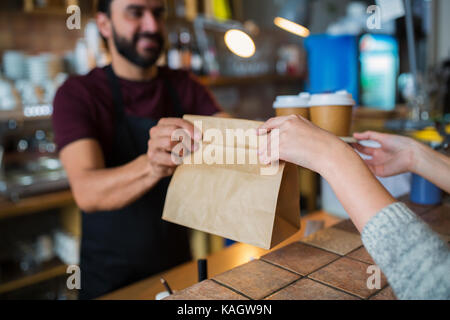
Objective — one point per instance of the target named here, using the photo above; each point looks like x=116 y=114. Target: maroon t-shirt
x=83 y=105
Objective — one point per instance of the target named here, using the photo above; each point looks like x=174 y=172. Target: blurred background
x=399 y=86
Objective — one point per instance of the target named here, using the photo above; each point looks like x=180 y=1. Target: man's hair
x=104 y=6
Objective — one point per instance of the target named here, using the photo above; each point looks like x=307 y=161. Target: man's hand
x=168 y=133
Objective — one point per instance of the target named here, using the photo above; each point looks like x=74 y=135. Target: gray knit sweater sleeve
x=414 y=259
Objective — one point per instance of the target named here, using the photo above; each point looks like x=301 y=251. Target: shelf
x=47 y=271
x=27 y=113
x=35 y=204
x=16 y=114
x=60 y=12
x=400 y=112
x=250 y=80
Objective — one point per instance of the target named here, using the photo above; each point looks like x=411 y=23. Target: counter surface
x=186 y=275
x=328 y=264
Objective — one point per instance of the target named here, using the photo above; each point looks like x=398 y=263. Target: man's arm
x=97 y=188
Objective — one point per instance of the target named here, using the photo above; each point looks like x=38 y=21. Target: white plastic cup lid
x=299 y=101
x=340 y=98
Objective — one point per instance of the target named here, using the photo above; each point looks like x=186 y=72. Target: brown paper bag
x=234 y=201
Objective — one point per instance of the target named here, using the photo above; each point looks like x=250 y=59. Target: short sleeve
x=73 y=114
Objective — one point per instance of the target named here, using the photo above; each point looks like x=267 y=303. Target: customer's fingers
x=263 y=152
x=269 y=153
x=273 y=123
x=364 y=150
x=369 y=135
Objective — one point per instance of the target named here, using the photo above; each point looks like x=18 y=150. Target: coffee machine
x=29 y=163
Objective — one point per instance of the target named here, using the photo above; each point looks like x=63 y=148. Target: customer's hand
x=395 y=156
x=161 y=153
x=306 y=145
x=300 y=142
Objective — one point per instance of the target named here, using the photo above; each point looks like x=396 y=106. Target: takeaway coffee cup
x=288 y=105
x=332 y=112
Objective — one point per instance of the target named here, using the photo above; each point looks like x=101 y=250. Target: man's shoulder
x=79 y=91
x=87 y=82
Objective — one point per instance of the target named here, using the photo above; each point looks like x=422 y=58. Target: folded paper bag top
x=234 y=201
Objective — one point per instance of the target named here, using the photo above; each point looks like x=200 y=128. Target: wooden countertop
x=185 y=275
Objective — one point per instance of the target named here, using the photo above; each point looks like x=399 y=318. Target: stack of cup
x=289 y=105
x=14 y=64
x=296 y=105
x=332 y=112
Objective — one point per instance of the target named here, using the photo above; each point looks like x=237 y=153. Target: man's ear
x=104 y=25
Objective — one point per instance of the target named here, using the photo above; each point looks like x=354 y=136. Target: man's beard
x=128 y=49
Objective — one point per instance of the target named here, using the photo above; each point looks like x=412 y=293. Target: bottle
x=186 y=53
x=174 y=53
x=197 y=61
x=180 y=8
x=211 y=62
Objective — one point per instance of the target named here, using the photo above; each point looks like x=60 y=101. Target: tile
x=346 y=225
x=439 y=219
x=300 y=258
x=206 y=290
x=348 y=275
x=361 y=254
x=256 y=279
x=385 y=294
x=307 y=289
x=335 y=240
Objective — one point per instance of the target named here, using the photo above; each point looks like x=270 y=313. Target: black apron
x=123 y=246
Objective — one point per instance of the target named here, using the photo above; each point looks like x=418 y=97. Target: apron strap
x=114 y=85
x=119 y=108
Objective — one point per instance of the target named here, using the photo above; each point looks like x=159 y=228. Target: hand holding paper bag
x=222 y=188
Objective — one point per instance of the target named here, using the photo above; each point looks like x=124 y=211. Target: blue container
x=333 y=64
x=365 y=66
x=424 y=192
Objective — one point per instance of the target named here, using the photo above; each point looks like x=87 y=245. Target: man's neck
x=129 y=71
